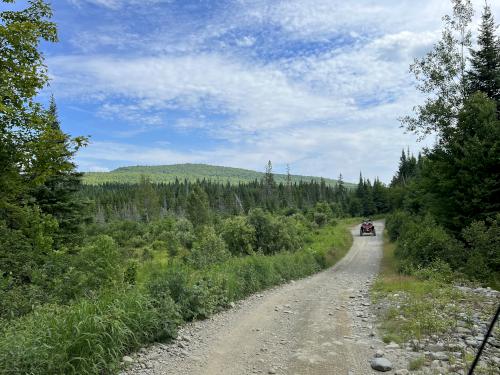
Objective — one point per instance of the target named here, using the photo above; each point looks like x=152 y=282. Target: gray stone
x=381 y=364
x=126 y=359
x=403 y=371
x=379 y=354
x=392 y=345
x=440 y=356
x=438 y=347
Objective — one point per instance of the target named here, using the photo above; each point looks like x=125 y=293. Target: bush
x=239 y=235
x=184 y=232
x=275 y=234
x=97 y=265
x=437 y=270
x=483 y=257
x=210 y=248
x=395 y=223
x=424 y=242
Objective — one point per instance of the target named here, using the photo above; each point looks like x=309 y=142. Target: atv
x=367 y=227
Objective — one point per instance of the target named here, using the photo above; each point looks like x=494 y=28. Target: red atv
x=367 y=227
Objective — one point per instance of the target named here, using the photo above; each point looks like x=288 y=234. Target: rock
x=392 y=345
x=271 y=371
x=402 y=371
x=440 y=356
x=381 y=364
x=232 y=305
x=127 y=360
x=379 y=354
x=438 y=347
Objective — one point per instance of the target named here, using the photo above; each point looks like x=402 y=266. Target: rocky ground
x=450 y=352
x=324 y=324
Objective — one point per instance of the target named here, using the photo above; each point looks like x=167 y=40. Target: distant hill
x=191 y=172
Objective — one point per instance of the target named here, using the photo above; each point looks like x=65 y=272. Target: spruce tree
x=59 y=195
x=484 y=73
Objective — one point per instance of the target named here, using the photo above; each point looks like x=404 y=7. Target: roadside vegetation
x=90 y=335
x=444 y=203
x=426 y=305
x=420 y=304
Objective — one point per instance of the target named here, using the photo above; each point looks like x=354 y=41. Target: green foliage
x=192 y=173
x=197 y=209
x=454 y=186
x=184 y=231
x=427 y=251
x=460 y=179
x=441 y=75
x=484 y=73
x=272 y=234
x=210 y=248
x=97 y=265
x=482 y=239
x=88 y=337
x=395 y=223
x=425 y=241
x=239 y=235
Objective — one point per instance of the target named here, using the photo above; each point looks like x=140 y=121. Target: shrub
x=210 y=248
x=275 y=234
x=395 y=223
x=424 y=242
x=184 y=232
x=483 y=257
x=239 y=235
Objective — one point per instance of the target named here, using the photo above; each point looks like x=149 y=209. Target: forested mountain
x=191 y=172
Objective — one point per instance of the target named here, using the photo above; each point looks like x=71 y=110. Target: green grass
x=421 y=302
x=91 y=335
x=416 y=364
x=191 y=172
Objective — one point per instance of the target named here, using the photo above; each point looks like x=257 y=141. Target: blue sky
x=317 y=84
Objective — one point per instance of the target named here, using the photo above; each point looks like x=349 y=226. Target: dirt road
x=318 y=325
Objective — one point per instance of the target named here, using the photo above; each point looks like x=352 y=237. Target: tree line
x=447 y=199
x=146 y=201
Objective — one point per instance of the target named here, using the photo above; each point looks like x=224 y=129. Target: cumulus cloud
x=318 y=84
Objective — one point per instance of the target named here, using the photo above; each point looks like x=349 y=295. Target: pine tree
x=269 y=187
x=484 y=74
x=58 y=195
x=197 y=207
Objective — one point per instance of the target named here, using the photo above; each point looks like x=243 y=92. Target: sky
x=316 y=84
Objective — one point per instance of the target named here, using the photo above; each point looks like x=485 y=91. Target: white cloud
x=323 y=112
x=259 y=97
x=117 y=4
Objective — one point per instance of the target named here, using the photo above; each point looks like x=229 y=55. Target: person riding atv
x=367 y=227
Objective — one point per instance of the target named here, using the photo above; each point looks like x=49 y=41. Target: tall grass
x=90 y=336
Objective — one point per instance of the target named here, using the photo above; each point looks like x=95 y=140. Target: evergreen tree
x=197 y=208
x=380 y=198
x=148 y=201
x=58 y=195
x=460 y=181
x=269 y=187
x=484 y=73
